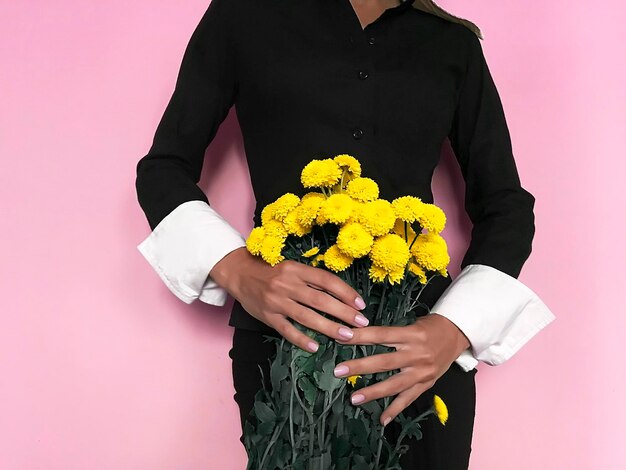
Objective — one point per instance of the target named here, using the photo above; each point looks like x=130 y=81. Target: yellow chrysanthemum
x=275 y=228
x=377 y=274
x=267 y=213
x=336 y=209
x=350 y=163
x=431 y=251
x=271 y=249
x=356 y=211
x=255 y=240
x=377 y=217
x=432 y=218
x=390 y=252
x=363 y=189
x=313 y=251
x=352 y=379
x=292 y=226
x=284 y=205
x=309 y=207
x=336 y=260
x=441 y=409
x=418 y=271
x=354 y=240
x=407 y=208
x=320 y=173
x=408 y=234
x=315 y=261
x=395 y=276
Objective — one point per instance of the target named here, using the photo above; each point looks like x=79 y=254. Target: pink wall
x=102 y=367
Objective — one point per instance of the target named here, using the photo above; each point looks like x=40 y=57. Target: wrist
x=226 y=271
x=461 y=340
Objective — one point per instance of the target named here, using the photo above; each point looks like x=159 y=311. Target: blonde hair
x=430 y=7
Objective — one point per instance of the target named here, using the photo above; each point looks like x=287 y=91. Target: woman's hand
x=273 y=293
x=424 y=352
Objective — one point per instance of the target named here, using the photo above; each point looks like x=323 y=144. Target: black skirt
x=441 y=447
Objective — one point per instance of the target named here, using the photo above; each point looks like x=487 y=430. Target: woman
x=386 y=81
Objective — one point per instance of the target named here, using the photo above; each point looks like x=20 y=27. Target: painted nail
x=361 y=320
x=387 y=421
x=340 y=370
x=357 y=398
x=313 y=346
x=346 y=332
x=359 y=302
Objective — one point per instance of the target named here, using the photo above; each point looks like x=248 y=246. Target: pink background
x=103 y=368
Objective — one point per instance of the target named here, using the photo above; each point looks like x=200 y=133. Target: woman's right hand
x=272 y=294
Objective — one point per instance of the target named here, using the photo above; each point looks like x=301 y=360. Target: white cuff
x=184 y=247
x=497 y=313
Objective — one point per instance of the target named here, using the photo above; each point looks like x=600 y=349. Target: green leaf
x=263 y=412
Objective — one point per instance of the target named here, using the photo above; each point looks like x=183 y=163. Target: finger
x=386 y=335
x=333 y=284
x=391 y=386
x=324 y=302
x=402 y=401
x=313 y=320
x=292 y=334
x=381 y=362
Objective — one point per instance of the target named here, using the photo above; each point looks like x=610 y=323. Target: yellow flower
x=315 y=261
x=336 y=260
x=284 y=205
x=408 y=234
x=408 y=208
x=432 y=218
x=309 y=207
x=356 y=211
x=313 y=251
x=267 y=213
x=320 y=173
x=441 y=409
x=431 y=252
x=350 y=163
x=395 y=276
x=336 y=209
x=352 y=379
x=275 y=228
x=363 y=189
x=292 y=226
x=377 y=217
x=271 y=250
x=390 y=252
x=418 y=271
x=354 y=240
x=377 y=274
x=255 y=240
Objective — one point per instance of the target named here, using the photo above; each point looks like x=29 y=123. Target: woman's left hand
x=424 y=352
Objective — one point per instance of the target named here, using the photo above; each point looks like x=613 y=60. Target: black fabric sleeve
x=203 y=95
x=500 y=209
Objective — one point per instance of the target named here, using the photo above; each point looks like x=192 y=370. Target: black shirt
x=307 y=81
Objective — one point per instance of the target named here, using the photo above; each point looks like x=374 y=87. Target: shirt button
x=371 y=40
x=363 y=74
x=357 y=133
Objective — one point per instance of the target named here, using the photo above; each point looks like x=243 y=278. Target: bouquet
x=305 y=419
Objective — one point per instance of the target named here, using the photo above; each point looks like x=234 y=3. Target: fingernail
x=386 y=421
x=361 y=320
x=346 y=332
x=359 y=302
x=340 y=370
x=313 y=346
x=357 y=398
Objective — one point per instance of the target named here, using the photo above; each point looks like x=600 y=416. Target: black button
x=363 y=74
x=371 y=40
x=357 y=133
